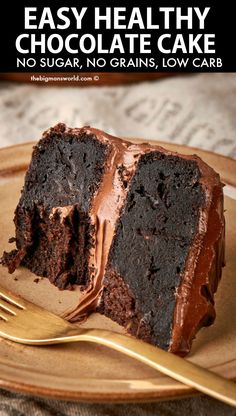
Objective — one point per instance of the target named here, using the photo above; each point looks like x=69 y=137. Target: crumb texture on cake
x=53 y=230
x=152 y=240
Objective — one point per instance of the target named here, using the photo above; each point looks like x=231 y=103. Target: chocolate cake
x=140 y=228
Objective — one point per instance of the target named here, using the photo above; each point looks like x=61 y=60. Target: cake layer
x=152 y=278
x=54 y=233
x=150 y=248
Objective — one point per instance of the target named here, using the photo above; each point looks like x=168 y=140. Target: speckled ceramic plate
x=91 y=372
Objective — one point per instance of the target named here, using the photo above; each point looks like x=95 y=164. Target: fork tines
x=9 y=305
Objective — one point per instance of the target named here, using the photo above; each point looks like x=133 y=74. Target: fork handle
x=176 y=367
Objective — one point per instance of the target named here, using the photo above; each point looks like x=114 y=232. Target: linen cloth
x=196 y=110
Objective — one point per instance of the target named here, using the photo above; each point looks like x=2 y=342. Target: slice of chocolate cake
x=140 y=227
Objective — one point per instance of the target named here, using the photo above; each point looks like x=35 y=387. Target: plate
x=90 y=372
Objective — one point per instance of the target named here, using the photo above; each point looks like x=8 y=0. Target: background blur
x=197 y=110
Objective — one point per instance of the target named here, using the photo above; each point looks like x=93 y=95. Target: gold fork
x=26 y=323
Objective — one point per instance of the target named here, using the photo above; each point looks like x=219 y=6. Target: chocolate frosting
x=194 y=297
x=105 y=209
